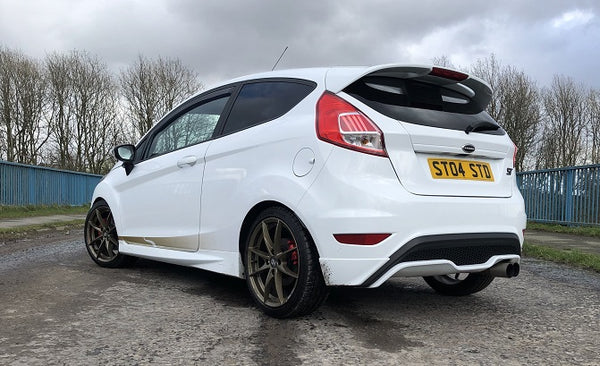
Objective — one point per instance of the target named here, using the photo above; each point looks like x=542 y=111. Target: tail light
x=515 y=155
x=448 y=74
x=342 y=124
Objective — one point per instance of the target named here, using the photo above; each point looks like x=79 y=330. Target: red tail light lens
x=515 y=155
x=361 y=239
x=448 y=74
x=342 y=124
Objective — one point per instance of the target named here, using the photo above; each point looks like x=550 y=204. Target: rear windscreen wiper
x=481 y=126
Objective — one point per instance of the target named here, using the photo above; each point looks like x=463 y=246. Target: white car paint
x=339 y=191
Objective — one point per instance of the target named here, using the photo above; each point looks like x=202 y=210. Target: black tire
x=101 y=239
x=282 y=266
x=451 y=285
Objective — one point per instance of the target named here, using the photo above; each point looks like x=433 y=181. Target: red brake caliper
x=294 y=255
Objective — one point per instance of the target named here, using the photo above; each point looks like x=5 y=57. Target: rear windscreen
x=422 y=103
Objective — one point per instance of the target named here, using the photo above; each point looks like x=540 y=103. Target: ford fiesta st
x=299 y=180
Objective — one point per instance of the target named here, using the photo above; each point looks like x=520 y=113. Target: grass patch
x=18 y=232
x=15 y=212
x=572 y=257
x=591 y=231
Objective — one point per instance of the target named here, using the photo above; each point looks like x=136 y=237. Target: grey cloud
x=223 y=39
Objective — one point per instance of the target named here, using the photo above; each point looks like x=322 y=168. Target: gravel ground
x=58 y=307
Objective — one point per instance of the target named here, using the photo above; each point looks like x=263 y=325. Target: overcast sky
x=224 y=39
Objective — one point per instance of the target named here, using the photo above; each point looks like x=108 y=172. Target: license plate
x=460 y=169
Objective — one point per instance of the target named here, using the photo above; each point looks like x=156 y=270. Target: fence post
x=569 y=196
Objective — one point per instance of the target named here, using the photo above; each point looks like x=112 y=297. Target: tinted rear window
x=422 y=103
x=263 y=101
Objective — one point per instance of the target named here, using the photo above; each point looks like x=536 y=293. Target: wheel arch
x=97 y=199
x=253 y=213
x=106 y=193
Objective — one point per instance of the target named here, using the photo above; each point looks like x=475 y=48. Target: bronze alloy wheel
x=101 y=239
x=282 y=265
x=273 y=262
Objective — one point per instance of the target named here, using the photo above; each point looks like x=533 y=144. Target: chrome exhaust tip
x=505 y=269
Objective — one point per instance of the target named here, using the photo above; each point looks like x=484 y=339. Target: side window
x=190 y=128
x=263 y=101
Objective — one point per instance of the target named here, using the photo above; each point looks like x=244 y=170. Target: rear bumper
x=426 y=231
x=426 y=256
x=442 y=254
x=336 y=270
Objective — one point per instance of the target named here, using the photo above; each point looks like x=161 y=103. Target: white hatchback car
x=298 y=180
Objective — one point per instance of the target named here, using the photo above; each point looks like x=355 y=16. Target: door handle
x=187 y=161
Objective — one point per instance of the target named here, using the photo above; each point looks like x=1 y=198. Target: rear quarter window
x=263 y=101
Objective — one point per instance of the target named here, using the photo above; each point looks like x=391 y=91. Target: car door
x=246 y=163
x=160 y=199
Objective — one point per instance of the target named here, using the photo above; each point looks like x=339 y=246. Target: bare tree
x=594 y=126
x=520 y=115
x=84 y=111
x=490 y=70
x=565 y=119
x=22 y=103
x=443 y=61
x=59 y=75
x=94 y=106
x=77 y=96
x=7 y=114
x=515 y=105
x=151 y=88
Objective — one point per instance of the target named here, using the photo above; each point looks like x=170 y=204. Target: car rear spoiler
x=473 y=87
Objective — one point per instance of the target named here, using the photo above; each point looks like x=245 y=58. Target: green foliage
x=575 y=230
x=14 y=212
x=572 y=257
x=26 y=231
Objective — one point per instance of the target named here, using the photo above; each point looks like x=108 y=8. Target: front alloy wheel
x=101 y=237
x=282 y=268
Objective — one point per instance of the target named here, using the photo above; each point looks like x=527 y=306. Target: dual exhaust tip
x=505 y=269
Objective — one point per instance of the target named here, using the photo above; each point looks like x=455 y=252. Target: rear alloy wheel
x=101 y=239
x=459 y=284
x=282 y=266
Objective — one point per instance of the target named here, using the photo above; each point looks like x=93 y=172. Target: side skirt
x=227 y=263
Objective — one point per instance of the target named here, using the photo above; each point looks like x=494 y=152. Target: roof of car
x=340 y=76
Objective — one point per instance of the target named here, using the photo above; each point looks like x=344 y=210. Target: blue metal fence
x=569 y=196
x=22 y=185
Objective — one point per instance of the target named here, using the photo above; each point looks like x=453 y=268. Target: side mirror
x=125 y=153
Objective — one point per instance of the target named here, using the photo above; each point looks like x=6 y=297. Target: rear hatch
x=437 y=134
